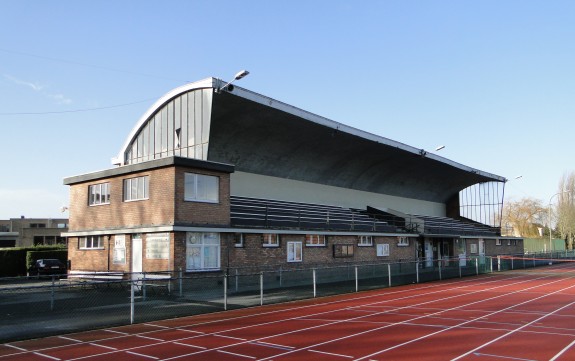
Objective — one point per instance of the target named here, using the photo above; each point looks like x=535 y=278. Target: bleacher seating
x=267 y=213
x=451 y=226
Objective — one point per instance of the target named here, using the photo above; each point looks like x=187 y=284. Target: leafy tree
x=524 y=216
x=565 y=209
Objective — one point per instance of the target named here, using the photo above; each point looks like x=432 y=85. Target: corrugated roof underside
x=264 y=140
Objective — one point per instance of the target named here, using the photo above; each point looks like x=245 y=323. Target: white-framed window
x=315 y=240
x=238 y=240
x=99 y=194
x=382 y=250
x=402 y=241
x=136 y=188
x=91 y=242
x=498 y=242
x=294 y=252
x=473 y=248
x=271 y=240
x=202 y=251
x=201 y=188
x=365 y=241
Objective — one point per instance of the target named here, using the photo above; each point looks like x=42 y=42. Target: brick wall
x=157 y=210
x=198 y=213
x=165 y=205
x=253 y=253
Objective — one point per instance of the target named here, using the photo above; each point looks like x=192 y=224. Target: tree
x=525 y=216
x=565 y=209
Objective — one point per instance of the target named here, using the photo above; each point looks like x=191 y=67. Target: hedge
x=15 y=260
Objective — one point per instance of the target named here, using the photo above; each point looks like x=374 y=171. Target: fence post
x=417 y=271
x=314 y=286
x=498 y=263
x=389 y=274
x=281 y=276
x=356 y=280
x=459 y=263
x=132 y=285
x=439 y=266
x=237 y=280
x=476 y=266
x=261 y=288
x=180 y=282
x=52 y=295
x=512 y=262
x=225 y=292
x=144 y=286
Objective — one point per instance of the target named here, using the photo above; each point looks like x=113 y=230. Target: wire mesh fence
x=35 y=307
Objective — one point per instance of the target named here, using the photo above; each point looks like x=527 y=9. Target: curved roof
x=260 y=135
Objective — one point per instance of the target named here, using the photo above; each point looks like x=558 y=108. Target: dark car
x=44 y=267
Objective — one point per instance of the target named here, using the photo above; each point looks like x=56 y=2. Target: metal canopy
x=261 y=135
x=275 y=139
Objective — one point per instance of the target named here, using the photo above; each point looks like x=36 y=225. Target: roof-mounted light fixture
x=228 y=86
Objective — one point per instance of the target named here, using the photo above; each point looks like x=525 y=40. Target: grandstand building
x=212 y=178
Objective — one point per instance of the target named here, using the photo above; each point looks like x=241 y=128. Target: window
x=498 y=242
x=238 y=240
x=473 y=248
x=365 y=241
x=314 y=240
x=342 y=250
x=201 y=188
x=202 y=251
x=136 y=188
x=91 y=242
x=37 y=225
x=383 y=250
x=99 y=194
x=271 y=240
x=402 y=241
x=294 y=252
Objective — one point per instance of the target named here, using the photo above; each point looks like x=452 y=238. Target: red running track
x=518 y=315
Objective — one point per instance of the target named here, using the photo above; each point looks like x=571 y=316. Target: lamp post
x=556 y=194
x=238 y=76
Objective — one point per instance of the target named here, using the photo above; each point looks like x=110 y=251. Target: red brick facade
x=166 y=223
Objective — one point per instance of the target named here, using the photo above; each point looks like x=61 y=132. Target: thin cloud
x=34 y=86
x=60 y=99
x=56 y=97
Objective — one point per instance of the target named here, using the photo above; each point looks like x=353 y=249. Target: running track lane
x=437 y=321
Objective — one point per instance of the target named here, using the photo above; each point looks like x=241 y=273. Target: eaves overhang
x=149 y=165
x=261 y=135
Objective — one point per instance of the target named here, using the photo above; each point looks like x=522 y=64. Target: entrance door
x=428 y=253
x=136 y=255
x=481 y=252
x=462 y=251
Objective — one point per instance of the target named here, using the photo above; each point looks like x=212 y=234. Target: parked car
x=44 y=267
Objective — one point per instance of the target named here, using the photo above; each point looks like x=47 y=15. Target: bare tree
x=565 y=209
x=525 y=216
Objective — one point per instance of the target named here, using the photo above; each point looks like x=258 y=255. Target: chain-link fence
x=35 y=307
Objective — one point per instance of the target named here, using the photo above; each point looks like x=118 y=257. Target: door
x=428 y=253
x=462 y=251
x=136 y=255
x=481 y=252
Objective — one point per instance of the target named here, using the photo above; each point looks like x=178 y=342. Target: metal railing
x=34 y=307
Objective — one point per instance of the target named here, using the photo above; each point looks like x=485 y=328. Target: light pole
x=238 y=76
x=556 y=194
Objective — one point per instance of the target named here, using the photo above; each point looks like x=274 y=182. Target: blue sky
x=493 y=81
